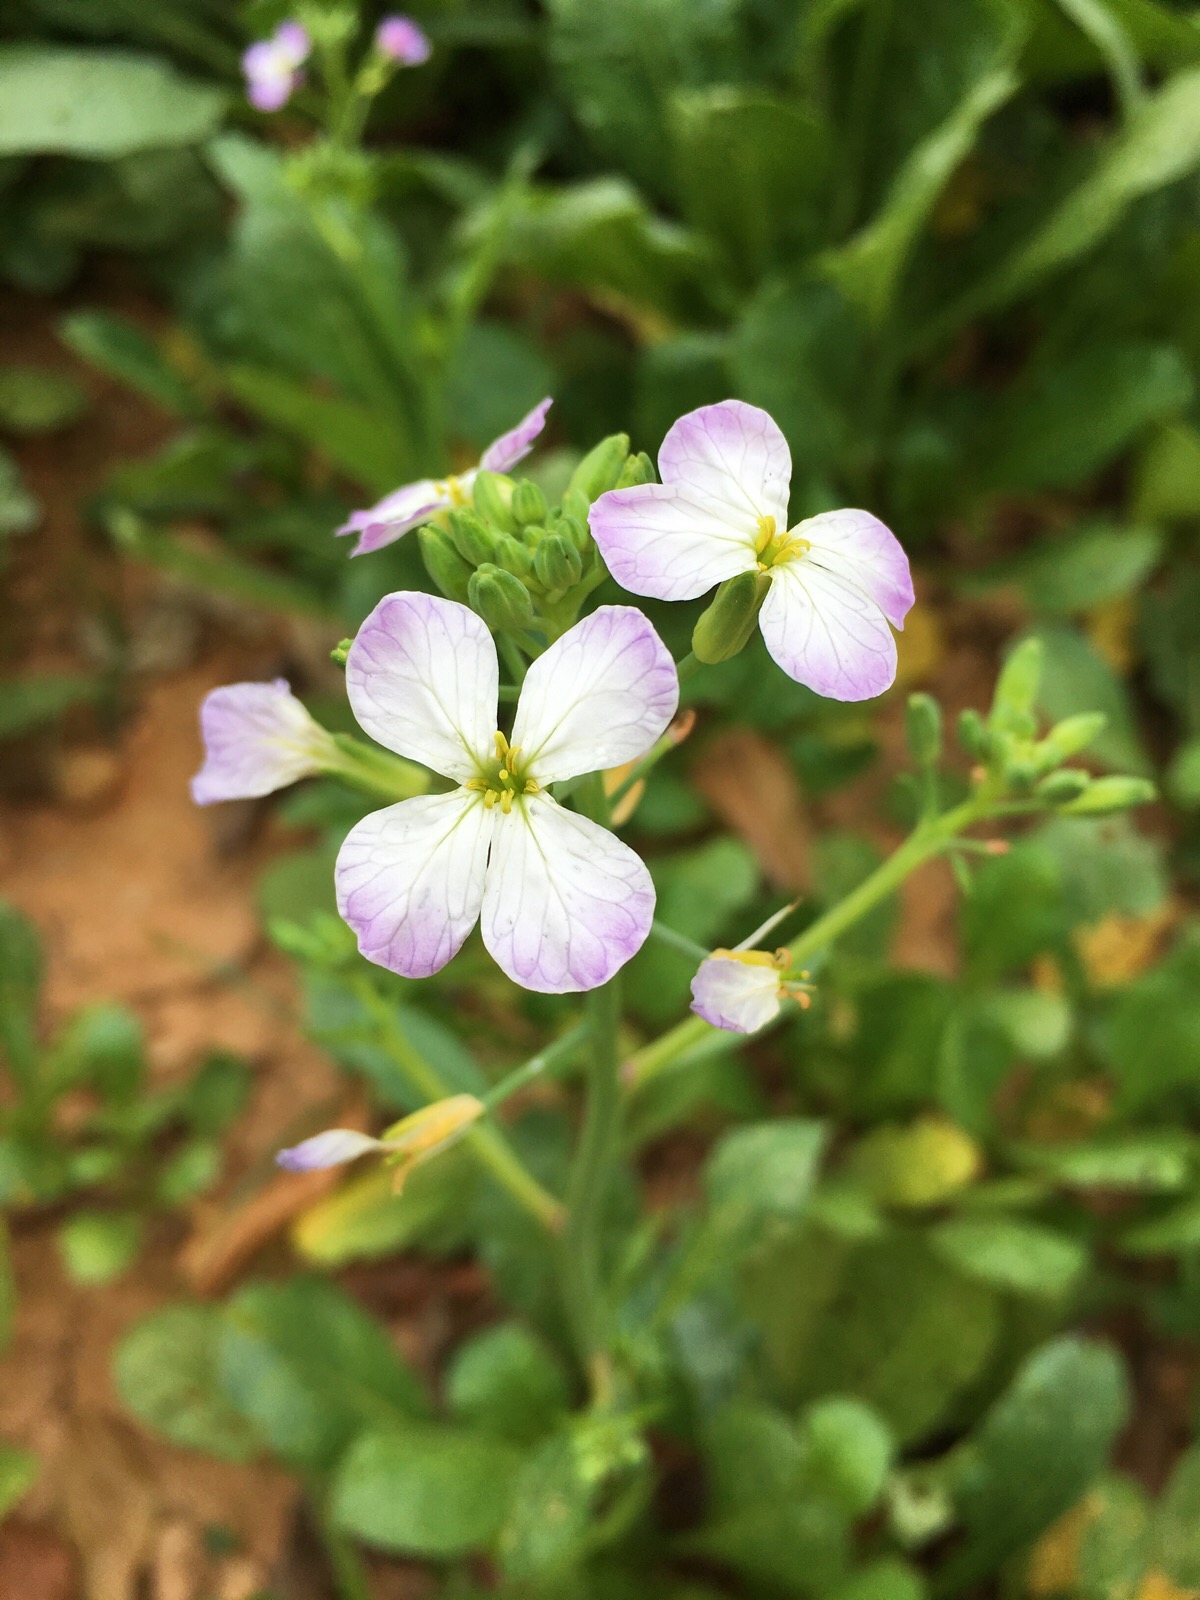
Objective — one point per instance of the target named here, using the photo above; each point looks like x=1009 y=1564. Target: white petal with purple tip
x=739 y=996
x=516 y=444
x=257 y=738
x=858 y=548
x=827 y=633
x=598 y=697
x=329 y=1149
x=734 y=457
x=662 y=540
x=396 y=514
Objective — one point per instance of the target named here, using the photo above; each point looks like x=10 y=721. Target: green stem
x=689 y=666
x=488 y=1143
x=675 y=940
x=665 y=743
x=542 y=1065
x=346 y=1565
x=513 y=659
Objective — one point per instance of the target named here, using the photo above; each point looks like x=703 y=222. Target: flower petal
x=827 y=633
x=599 y=696
x=328 y=1149
x=257 y=738
x=566 y=903
x=516 y=444
x=423 y=680
x=395 y=515
x=734 y=457
x=292 y=42
x=856 y=546
x=410 y=880
x=735 y=995
x=668 y=542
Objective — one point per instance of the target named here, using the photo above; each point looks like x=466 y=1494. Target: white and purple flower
x=257 y=738
x=272 y=66
x=839 y=582
x=563 y=903
x=405 y=1145
x=400 y=39
x=413 y=503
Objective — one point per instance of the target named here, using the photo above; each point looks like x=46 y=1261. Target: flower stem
x=542 y=1065
x=488 y=1143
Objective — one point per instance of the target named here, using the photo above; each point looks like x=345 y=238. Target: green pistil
x=503 y=780
x=773 y=548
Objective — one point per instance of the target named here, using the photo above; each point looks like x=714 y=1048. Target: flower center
x=772 y=547
x=501 y=781
x=779 y=959
x=453 y=488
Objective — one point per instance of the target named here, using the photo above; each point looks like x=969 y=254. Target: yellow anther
x=501 y=744
x=532 y=786
x=766 y=532
x=506 y=800
x=479 y=785
x=453 y=490
x=489 y=798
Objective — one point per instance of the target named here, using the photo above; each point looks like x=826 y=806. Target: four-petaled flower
x=563 y=903
x=413 y=503
x=837 y=580
x=401 y=40
x=257 y=738
x=272 y=66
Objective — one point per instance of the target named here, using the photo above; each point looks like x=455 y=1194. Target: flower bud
x=528 y=502
x=575 y=504
x=1062 y=786
x=500 y=599
x=725 y=628
x=637 y=470
x=1069 y=737
x=923 y=729
x=340 y=651
x=973 y=735
x=601 y=468
x=443 y=563
x=1018 y=684
x=573 y=530
x=473 y=539
x=513 y=556
x=1111 y=794
x=492 y=496
x=557 y=562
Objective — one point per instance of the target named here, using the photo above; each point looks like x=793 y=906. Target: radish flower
x=563 y=903
x=401 y=40
x=413 y=503
x=838 y=582
x=742 y=989
x=272 y=66
x=257 y=738
x=406 y=1144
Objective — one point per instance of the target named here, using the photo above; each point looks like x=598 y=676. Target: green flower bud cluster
x=524 y=566
x=1006 y=745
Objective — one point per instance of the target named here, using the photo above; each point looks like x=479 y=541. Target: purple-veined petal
x=668 y=542
x=329 y=1149
x=739 y=996
x=410 y=880
x=599 y=696
x=827 y=633
x=859 y=548
x=516 y=444
x=566 y=904
x=733 y=457
x=400 y=39
x=257 y=738
x=395 y=515
x=423 y=680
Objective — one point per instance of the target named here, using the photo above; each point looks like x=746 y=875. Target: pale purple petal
x=269 y=78
x=332 y=1148
x=516 y=444
x=400 y=39
x=257 y=738
x=827 y=633
x=660 y=540
x=598 y=697
x=292 y=42
x=734 y=458
x=423 y=680
x=739 y=996
x=566 y=904
x=396 y=514
x=410 y=880
x=857 y=547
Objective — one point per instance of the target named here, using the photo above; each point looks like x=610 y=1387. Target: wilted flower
x=400 y=39
x=413 y=503
x=257 y=738
x=406 y=1143
x=563 y=902
x=742 y=989
x=272 y=66
x=836 y=581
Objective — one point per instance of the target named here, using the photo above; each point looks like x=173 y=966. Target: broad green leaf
x=366 y=1219
x=123 y=350
x=1177 y=1229
x=98 y=1246
x=1177 y=1523
x=766 y=1170
x=1037 y=1450
x=1100 y=561
x=166 y=1374
x=104 y=1047
x=1116 y=1547
x=1167 y=482
x=1154 y=1031
x=1077 y=678
x=1106 y=866
x=1183 y=776
x=1156 y=1163
x=93 y=102
x=18 y=1473
x=889 y=1578
x=38 y=399
x=849 y=1451
x=423 y=1490
x=1011 y=1254
x=507 y=1382
x=1037 y=1022
x=30 y=703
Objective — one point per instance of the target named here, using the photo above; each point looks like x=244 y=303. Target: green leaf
x=850 y=1451
x=98 y=1246
x=166 y=1374
x=1156 y=1163
x=1177 y=1522
x=310 y=1369
x=1106 y=866
x=1153 y=1041
x=889 y=1578
x=20 y=986
x=1037 y=1450
x=30 y=703
x=505 y=1381
x=93 y=102
x=1098 y=562
x=18 y=1473
x=38 y=399
x=1077 y=678
x=1011 y=1254
x=1115 y=1550
x=766 y=1170
x=124 y=351
x=365 y=1219
x=1177 y=1229
x=425 y=1491
x=1167 y=484
x=103 y=1046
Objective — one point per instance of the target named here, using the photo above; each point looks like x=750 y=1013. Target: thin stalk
x=663 y=745
x=689 y=666
x=674 y=940
x=488 y=1143
x=544 y=1064
x=346 y=1565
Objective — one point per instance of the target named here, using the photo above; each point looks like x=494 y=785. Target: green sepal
x=443 y=563
x=528 y=502
x=513 y=556
x=557 y=563
x=1111 y=794
x=492 y=498
x=472 y=538
x=601 y=468
x=500 y=599
x=1062 y=786
x=637 y=470
x=724 y=629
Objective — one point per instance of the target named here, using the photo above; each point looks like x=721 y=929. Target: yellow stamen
x=506 y=801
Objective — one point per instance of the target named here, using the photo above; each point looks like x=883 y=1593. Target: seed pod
x=472 y=537
x=1111 y=794
x=601 y=468
x=557 y=563
x=724 y=629
x=923 y=729
x=500 y=599
x=492 y=498
x=443 y=563
x=528 y=502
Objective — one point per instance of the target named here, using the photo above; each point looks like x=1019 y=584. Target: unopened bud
x=472 y=537
x=725 y=628
x=573 y=530
x=1062 y=786
x=1111 y=794
x=500 y=599
x=492 y=498
x=601 y=468
x=513 y=556
x=1069 y=737
x=972 y=734
x=637 y=470
x=443 y=563
x=1018 y=684
x=575 y=504
x=557 y=562
x=923 y=729
x=340 y=651
x=528 y=502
